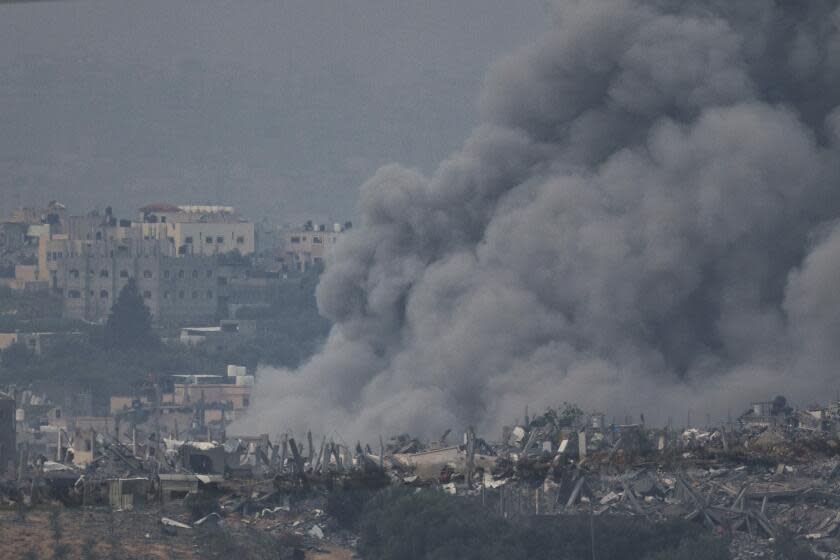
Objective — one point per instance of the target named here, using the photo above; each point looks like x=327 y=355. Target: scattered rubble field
x=133 y=535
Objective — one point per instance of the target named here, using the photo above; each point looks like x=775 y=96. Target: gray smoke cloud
x=643 y=223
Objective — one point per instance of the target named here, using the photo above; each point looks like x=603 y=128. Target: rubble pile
x=767 y=477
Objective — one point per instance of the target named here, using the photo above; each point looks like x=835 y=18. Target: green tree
x=129 y=326
x=17 y=356
x=402 y=523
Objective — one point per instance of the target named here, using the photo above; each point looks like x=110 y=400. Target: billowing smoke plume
x=642 y=224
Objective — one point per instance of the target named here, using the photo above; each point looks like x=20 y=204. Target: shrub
x=398 y=524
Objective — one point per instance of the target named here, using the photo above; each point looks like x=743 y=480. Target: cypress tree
x=129 y=325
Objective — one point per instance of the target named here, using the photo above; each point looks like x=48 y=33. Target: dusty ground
x=136 y=535
x=332 y=553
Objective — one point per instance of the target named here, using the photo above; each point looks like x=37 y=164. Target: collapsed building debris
x=776 y=471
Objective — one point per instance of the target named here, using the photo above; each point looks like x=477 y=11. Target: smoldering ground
x=644 y=223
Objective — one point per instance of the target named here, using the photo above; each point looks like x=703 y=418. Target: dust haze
x=642 y=223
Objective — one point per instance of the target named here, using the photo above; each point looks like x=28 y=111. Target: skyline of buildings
x=184 y=258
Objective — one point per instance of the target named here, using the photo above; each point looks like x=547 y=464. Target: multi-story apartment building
x=309 y=245
x=177 y=289
x=198 y=230
x=89 y=259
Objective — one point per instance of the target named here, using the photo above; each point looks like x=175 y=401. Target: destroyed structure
x=773 y=471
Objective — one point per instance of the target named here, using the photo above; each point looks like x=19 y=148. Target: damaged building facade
x=754 y=482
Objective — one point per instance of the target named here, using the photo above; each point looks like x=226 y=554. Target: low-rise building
x=226 y=336
x=238 y=396
x=233 y=391
x=39 y=342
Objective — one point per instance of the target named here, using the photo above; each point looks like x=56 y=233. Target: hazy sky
x=277 y=106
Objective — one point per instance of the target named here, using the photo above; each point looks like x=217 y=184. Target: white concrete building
x=198 y=230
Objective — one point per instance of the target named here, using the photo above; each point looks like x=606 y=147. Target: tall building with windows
x=177 y=289
x=198 y=230
x=176 y=255
x=309 y=245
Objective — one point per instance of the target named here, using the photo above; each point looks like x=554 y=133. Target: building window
x=195 y=273
x=74 y=273
x=123 y=274
x=246 y=401
x=209 y=273
x=165 y=295
x=166 y=274
x=74 y=294
x=188 y=240
x=295 y=239
x=209 y=294
x=209 y=239
x=181 y=294
x=147 y=274
x=180 y=274
x=147 y=295
x=316 y=240
x=103 y=273
x=103 y=294
x=220 y=239
x=195 y=294
x=240 y=240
